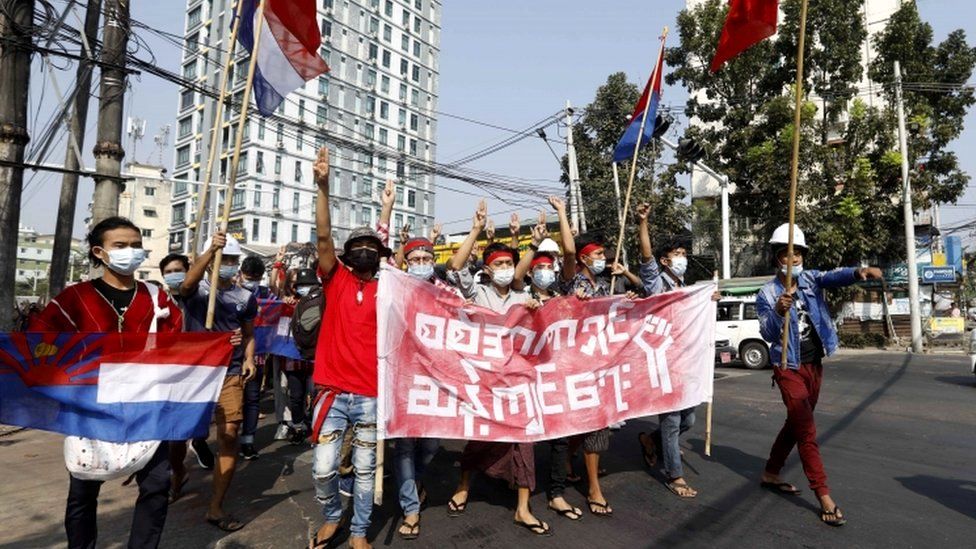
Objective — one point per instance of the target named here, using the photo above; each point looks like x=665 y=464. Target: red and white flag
x=452 y=370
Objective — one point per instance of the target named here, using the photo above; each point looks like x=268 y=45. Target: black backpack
x=306 y=321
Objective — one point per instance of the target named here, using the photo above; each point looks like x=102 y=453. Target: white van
x=739 y=324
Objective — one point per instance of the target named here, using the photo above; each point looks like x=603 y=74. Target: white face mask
x=679 y=265
x=125 y=261
x=303 y=290
x=423 y=272
x=503 y=277
x=797 y=269
x=598 y=266
x=543 y=278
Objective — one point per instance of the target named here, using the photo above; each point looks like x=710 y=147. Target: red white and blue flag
x=288 y=52
x=116 y=387
x=652 y=92
x=272 y=329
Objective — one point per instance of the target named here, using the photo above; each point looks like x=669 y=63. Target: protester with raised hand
x=512 y=462
x=235 y=309
x=115 y=302
x=345 y=372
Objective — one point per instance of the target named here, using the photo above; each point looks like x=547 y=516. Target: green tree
x=849 y=185
x=596 y=133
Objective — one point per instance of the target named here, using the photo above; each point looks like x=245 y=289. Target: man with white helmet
x=811 y=337
x=235 y=309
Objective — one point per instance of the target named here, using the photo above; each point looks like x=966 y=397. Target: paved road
x=896 y=434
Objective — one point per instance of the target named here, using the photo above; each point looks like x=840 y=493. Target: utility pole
x=723 y=181
x=64 y=226
x=16 y=28
x=575 y=193
x=108 y=147
x=909 y=215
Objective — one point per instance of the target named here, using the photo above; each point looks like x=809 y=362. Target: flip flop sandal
x=226 y=523
x=316 y=543
x=676 y=490
x=536 y=528
x=650 y=458
x=781 y=488
x=607 y=512
x=568 y=513
x=455 y=509
x=833 y=518
x=413 y=532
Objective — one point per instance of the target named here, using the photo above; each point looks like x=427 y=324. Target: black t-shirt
x=120 y=299
x=811 y=347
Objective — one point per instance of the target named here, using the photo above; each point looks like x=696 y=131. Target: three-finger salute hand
x=321 y=170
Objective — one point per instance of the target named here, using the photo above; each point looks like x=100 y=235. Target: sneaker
x=248 y=452
x=282 y=432
x=205 y=457
x=345 y=485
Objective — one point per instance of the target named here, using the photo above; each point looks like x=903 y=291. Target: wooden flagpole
x=204 y=190
x=232 y=179
x=633 y=162
x=708 y=406
x=794 y=172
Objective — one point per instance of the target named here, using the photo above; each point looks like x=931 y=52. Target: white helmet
x=549 y=246
x=232 y=247
x=781 y=237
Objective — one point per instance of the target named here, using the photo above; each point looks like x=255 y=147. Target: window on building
x=411 y=199
x=370 y=104
x=194 y=17
x=298 y=171
x=276 y=198
x=414 y=121
x=261 y=128
x=384 y=110
x=386 y=58
x=383 y=135
x=259 y=163
x=413 y=147
x=299 y=138
x=295 y=197
x=277 y=169
x=256 y=229
x=402 y=117
x=326 y=27
x=280 y=133
x=257 y=195
x=190 y=70
x=405 y=43
x=242 y=164
x=323 y=86
x=237 y=200
x=385 y=84
x=301 y=109
x=388 y=8
x=415 y=74
x=404 y=66
x=294 y=232
x=147 y=233
x=387 y=33
x=401 y=143
x=399 y=195
x=416 y=48
x=419 y=4
x=149 y=212
x=186 y=127
x=321 y=114
x=183 y=155
x=374 y=24
x=150 y=191
x=274 y=232
x=186 y=100
x=415 y=98
x=416 y=25
x=368 y=131
x=370 y=78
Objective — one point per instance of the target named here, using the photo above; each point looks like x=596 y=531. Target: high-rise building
x=374 y=109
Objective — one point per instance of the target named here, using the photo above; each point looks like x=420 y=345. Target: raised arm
x=435 y=233
x=513 y=227
x=198 y=269
x=323 y=215
x=387 y=198
x=566 y=235
x=399 y=258
x=460 y=257
x=646 y=251
x=539 y=234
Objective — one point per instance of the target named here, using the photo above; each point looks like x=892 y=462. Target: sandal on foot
x=607 y=511
x=422 y=496
x=537 y=528
x=316 y=543
x=413 y=530
x=781 y=488
x=682 y=490
x=573 y=479
x=573 y=513
x=650 y=458
x=226 y=523
x=455 y=509
x=833 y=518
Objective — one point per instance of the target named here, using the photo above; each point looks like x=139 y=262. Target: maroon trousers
x=800 y=390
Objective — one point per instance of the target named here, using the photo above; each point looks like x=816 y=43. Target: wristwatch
x=533 y=247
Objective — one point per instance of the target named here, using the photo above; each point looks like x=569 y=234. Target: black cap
x=365 y=233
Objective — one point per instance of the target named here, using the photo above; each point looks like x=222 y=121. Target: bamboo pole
x=633 y=163
x=708 y=406
x=794 y=173
x=232 y=180
x=215 y=128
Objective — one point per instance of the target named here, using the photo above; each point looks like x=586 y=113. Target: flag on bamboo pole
x=288 y=54
x=652 y=92
x=748 y=23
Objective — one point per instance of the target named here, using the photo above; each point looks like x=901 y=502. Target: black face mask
x=362 y=259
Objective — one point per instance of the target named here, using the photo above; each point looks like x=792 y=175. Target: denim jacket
x=811 y=284
x=654 y=280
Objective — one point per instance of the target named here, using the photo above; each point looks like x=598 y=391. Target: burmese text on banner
x=453 y=370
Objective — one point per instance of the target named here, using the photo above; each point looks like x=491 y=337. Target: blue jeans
x=412 y=456
x=358 y=413
x=252 y=400
x=673 y=424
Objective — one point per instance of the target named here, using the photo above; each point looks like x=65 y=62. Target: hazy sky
x=508 y=62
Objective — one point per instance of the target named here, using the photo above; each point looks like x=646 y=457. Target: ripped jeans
x=358 y=413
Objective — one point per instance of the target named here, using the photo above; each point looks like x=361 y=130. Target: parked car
x=738 y=324
x=725 y=353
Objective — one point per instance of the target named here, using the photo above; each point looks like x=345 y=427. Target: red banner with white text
x=453 y=370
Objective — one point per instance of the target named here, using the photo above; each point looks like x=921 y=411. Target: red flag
x=748 y=23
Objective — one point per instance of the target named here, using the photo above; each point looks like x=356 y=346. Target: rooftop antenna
x=136 y=130
x=162 y=140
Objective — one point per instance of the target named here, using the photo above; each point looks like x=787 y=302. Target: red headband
x=589 y=248
x=498 y=255
x=417 y=243
x=541 y=260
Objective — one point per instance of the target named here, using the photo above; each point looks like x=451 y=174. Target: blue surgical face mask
x=174 y=280
x=598 y=266
x=125 y=261
x=423 y=272
x=249 y=284
x=797 y=269
x=227 y=272
x=543 y=278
